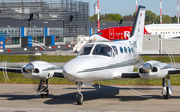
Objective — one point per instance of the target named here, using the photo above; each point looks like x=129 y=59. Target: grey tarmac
x=62 y=98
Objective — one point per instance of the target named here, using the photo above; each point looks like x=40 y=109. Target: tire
x=167 y=93
x=79 y=98
x=45 y=92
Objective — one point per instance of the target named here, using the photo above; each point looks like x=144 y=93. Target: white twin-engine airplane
x=103 y=61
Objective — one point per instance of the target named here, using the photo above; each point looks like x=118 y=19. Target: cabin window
x=129 y=50
x=121 y=49
x=102 y=49
x=132 y=50
x=115 y=50
x=86 y=50
x=125 y=50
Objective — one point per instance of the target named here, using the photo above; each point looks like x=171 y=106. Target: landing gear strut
x=43 y=89
x=79 y=96
x=167 y=90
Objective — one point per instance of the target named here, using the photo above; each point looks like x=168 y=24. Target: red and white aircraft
x=167 y=31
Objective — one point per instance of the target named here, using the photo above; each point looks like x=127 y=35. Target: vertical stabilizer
x=136 y=37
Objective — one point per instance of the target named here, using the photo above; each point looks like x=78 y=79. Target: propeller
x=171 y=57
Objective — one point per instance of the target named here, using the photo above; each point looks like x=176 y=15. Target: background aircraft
x=102 y=61
x=168 y=31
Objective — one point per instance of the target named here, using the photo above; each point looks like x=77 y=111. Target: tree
x=93 y=18
x=111 y=17
x=134 y=15
x=128 y=18
x=107 y=17
x=174 y=19
x=150 y=17
x=165 y=19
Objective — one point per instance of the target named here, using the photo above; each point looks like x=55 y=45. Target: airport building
x=24 y=23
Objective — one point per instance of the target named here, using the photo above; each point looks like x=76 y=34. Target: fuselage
x=93 y=64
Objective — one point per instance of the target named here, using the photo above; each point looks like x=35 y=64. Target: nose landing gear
x=79 y=96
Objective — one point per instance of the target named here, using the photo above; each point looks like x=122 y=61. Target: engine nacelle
x=154 y=70
x=39 y=70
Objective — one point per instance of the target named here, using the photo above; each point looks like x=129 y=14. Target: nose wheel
x=79 y=96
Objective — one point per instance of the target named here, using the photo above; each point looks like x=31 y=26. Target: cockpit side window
x=86 y=50
x=99 y=33
x=101 y=49
x=115 y=50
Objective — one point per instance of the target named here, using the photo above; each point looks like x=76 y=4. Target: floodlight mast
x=98 y=17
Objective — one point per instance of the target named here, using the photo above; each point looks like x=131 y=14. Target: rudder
x=136 y=37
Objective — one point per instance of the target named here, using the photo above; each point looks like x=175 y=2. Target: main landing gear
x=43 y=89
x=79 y=96
x=167 y=90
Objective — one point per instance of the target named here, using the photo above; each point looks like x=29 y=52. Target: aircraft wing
x=58 y=75
x=174 y=72
x=14 y=70
x=130 y=75
x=37 y=70
x=151 y=70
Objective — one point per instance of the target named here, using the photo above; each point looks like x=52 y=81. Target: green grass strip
x=28 y=58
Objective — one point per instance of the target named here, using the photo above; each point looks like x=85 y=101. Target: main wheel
x=79 y=98
x=45 y=92
x=167 y=93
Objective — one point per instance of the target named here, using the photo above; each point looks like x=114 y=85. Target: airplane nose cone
x=81 y=68
x=71 y=68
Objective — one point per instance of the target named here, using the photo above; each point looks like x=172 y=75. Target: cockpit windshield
x=99 y=33
x=86 y=50
x=102 y=49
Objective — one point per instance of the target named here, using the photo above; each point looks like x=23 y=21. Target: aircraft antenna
x=136 y=6
x=161 y=11
x=178 y=10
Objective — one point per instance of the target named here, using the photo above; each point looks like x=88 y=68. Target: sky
x=127 y=7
